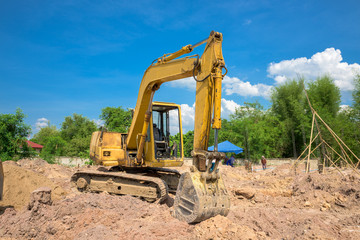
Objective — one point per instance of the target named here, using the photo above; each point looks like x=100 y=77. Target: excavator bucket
x=200 y=196
x=1 y=180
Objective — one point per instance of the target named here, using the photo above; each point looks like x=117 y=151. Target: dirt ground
x=271 y=204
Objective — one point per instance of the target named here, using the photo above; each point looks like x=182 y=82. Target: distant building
x=35 y=146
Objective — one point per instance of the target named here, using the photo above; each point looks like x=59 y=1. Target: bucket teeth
x=198 y=199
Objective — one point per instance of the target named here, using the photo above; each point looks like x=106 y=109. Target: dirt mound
x=220 y=227
x=20 y=182
x=32 y=163
x=335 y=189
x=284 y=169
x=52 y=171
x=95 y=216
x=272 y=204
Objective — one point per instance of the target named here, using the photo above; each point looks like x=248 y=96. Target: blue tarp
x=227 y=147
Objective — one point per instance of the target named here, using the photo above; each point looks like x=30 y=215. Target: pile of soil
x=20 y=182
x=334 y=190
x=271 y=204
x=94 y=216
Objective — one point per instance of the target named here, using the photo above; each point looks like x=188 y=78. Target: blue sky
x=63 y=57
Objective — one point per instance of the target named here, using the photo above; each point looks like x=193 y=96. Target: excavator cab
x=166 y=131
x=164 y=143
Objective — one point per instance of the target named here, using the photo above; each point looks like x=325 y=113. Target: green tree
x=76 y=130
x=325 y=97
x=52 y=141
x=188 y=139
x=54 y=146
x=116 y=119
x=356 y=98
x=259 y=132
x=347 y=129
x=288 y=101
x=44 y=134
x=13 y=133
x=354 y=114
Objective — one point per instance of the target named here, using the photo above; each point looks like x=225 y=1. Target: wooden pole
x=312 y=129
x=324 y=151
x=337 y=139
x=304 y=151
x=335 y=161
x=354 y=169
x=335 y=165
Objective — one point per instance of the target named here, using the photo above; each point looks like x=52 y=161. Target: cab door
x=164 y=141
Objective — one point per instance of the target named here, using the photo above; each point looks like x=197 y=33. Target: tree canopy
x=116 y=119
x=76 y=130
x=13 y=133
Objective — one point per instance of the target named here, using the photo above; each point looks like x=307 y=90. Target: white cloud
x=188 y=113
x=187 y=117
x=345 y=108
x=41 y=122
x=233 y=85
x=188 y=83
x=326 y=62
x=228 y=107
x=98 y=122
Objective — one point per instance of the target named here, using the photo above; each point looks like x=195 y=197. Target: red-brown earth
x=271 y=204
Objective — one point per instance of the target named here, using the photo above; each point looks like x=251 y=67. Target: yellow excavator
x=134 y=163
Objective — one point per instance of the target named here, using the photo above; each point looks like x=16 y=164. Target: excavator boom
x=145 y=149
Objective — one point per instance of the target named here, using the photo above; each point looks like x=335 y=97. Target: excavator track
x=170 y=176
x=149 y=188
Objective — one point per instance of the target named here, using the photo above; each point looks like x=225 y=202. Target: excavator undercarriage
x=150 y=184
x=148 y=188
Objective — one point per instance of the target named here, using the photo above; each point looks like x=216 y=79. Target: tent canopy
x=227 y=147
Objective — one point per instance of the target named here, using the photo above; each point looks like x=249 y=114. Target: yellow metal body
x=109 y=148
x=201 y=193
x=207 y=70
x=106 y=148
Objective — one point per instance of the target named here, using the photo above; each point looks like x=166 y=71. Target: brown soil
x=20 y=182
x=270 y=204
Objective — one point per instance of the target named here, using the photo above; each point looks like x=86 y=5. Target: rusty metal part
x=201 y=158
x=170 y=176
x=81 y=183
x=149 y=188
x=201 y=193
x=198 y=199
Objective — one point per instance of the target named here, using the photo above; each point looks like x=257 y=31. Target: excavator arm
x=207 y=71
x=201 y=193
x=154 y=76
